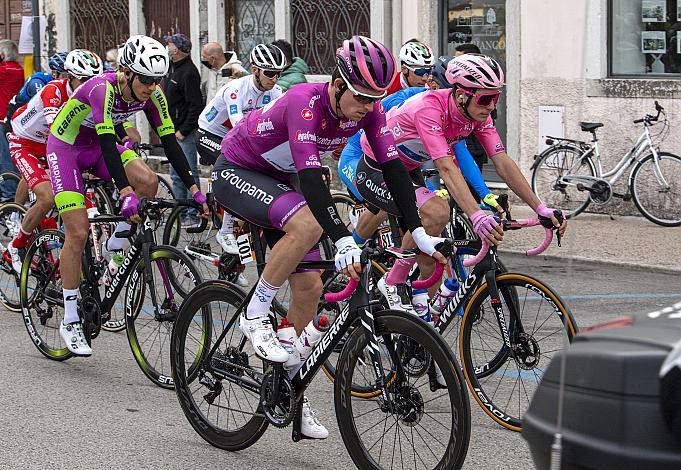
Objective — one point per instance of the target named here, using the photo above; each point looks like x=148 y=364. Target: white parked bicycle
x=565 y=176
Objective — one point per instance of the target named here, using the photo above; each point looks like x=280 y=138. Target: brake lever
x=559 y=216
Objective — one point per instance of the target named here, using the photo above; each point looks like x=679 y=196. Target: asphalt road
x=102 y=412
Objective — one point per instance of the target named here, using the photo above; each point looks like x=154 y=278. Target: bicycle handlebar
x=515 y=225
x=342 y=295
x=650 y=118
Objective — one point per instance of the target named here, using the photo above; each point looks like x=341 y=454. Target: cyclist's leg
x=141 y=178
x=21 y=196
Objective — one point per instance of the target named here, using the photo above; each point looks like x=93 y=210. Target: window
x=643 y=37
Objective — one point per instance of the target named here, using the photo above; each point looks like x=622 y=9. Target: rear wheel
x=11 y=216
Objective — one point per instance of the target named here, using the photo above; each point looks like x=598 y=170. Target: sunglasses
x=363 y=97
x=421 y=71
x=147 y=80
x=486 y=99
x=271 y=74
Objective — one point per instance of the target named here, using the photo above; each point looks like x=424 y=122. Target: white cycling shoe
x=16 y=256
x=260 y=333
x=309 y=425
x=396 y=300
x=242 y=280
x=73 y=337
x=228 y=243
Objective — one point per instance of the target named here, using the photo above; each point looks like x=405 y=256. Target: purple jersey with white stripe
x=291 y=133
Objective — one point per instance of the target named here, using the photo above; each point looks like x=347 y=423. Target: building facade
x=582 y=60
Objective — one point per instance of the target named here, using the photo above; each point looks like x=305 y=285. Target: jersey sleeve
x=101 y=99
x=489 y=138
x=157 y=111
x=233 y=104
x=302 y=133
x=378 y=135
x=52 y=99
x=470 y=170
x=428 y=122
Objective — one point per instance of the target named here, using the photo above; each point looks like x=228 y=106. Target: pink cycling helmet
x=365 y=62
x=475 y=71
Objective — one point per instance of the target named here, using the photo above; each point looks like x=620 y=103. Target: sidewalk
x=627 y=241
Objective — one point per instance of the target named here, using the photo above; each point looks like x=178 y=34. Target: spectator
x=223 y=68
x=12 y=79
x=182 y=87
x=474 y=146
x=296 y=68
x=111 y=61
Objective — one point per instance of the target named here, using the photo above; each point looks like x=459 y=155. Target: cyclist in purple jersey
x=82 y=138
x=253 y=180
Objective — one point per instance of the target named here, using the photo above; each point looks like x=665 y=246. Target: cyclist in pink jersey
x=253 y=180
x=428 y=124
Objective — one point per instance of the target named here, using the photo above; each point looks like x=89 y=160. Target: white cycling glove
x=425 y=242
x=347 y=252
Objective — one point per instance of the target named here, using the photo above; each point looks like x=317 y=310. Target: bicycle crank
x=277 y=397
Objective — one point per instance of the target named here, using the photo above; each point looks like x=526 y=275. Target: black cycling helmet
x=439 y=70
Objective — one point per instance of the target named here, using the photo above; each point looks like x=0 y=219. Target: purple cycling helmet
x=365 y=62
x=475 y=71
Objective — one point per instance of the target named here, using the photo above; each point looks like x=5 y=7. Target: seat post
x=593 y=134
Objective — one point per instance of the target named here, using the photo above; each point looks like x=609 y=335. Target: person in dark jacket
x=296 y=68
x=182 y=87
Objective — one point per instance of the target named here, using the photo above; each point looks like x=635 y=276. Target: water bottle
x=307 y=340
x=112 y=269
x=443 y=296
x=91 y=203
x=286 y=334
x=419 y=301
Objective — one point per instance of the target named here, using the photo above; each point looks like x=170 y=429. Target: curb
x=584 y=259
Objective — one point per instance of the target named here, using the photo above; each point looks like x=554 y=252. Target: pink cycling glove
x=483 y=223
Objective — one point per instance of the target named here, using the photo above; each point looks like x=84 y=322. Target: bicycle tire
x=640 y=191
x=165 y=189
x=205 y=297
x=409 y=400
x=37 y=310
x=480 y=384
x=9 y=279
x=547 y=190
x=161 y=329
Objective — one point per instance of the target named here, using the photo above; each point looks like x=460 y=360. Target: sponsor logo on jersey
x=250 y=101
x=264 y=126
x=233 y=95
x=246 y=187
x=306 y=114
x=323 y=123
x=28 y=116
x=56 y=173
x=55 y=101
x=391 y=151
x=306 y=136
x=345 y=125
x=212 y=114
x=380 y=107
x=210 y=143
x=312 y=160
x=66 y=121
x=266 y=99
x=499 y=147
x=232 y=109
x=381 y=192
x=396 y=130
x=384 y=130
x=313 y=99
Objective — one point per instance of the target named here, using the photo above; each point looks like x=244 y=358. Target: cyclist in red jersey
x=28 y=140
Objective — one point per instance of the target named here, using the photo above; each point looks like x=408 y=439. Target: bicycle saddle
x=590 y=126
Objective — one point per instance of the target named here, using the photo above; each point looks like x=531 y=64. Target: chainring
x=279 y=414
x=600 y=192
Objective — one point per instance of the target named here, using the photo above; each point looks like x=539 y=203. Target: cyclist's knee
x=77 y=233
x=44 y=196
x=435 y=215
x=304 y=227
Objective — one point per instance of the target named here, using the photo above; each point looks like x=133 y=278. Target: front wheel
x=656 y=189
x=501 y=379
x=149 y=316
x=412 y=421
x=550 y=185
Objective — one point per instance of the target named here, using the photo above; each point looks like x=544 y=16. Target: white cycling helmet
x=144 y=56
x=268 y=56
x=82 y=63
x=417 y=54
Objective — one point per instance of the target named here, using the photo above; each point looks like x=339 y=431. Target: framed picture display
x=654 y=11
x=653 y=42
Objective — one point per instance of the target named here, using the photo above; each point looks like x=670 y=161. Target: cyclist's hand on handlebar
x=348 y=257
x=129 y=206
x=557 y=218
x=428 y=244
x=487 y=227
x=200 y=198
x=492 y=200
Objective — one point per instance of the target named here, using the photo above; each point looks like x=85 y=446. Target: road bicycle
x=232 y=396
x=156 y=277
x=566 y=177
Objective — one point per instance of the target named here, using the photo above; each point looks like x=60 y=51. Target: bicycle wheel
x=202 y=248
x=11 y=216
x=548 y=184
x=149 y=325
x=41 y=294
x=539 y=323
x=418 y=427
x=222 y=412
x=165 y=189
x=659 y=204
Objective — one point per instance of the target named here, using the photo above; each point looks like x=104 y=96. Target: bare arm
x=510 y=173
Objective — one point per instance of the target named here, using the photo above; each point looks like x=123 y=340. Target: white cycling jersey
x=232 y=102
x=33 y=119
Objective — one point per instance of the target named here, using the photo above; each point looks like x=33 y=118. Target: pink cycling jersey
x=428 y=124
x=290 y=133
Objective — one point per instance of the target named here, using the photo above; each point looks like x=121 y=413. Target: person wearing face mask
x=223 y=68
x=182 y=87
